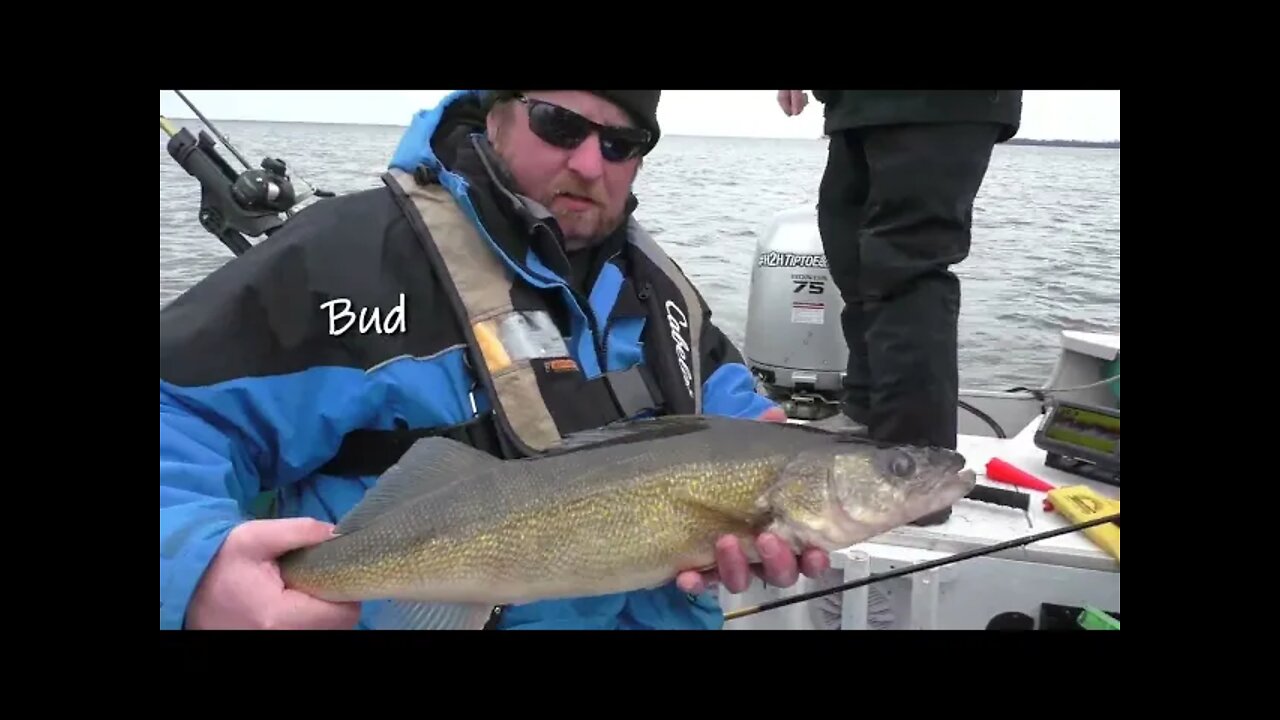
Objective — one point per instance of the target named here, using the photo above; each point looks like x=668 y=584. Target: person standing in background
x=895 y=212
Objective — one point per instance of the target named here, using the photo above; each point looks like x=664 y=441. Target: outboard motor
x=794 y=344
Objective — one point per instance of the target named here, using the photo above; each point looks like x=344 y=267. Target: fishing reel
x=233 y=207
x=265 y=190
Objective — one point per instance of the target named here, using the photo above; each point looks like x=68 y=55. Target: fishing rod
x=233 y=206
x=208 y=123
x=918 y=567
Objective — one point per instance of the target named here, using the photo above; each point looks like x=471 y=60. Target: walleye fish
x=450 y=532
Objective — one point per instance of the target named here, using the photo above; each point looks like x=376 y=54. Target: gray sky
x=1047 y=114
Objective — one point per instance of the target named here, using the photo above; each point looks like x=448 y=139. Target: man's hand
x=792 y=101
x=242 y=588
x=778 y=567
x=774 y=414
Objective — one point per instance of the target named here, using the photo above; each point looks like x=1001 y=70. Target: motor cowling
x=794 y=343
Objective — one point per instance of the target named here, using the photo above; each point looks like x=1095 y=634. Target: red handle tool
x=1002 y=471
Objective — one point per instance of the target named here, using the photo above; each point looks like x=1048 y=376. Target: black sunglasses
x=567 y=129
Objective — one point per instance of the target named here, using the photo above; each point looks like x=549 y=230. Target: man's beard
x=581 y=228
x=574 y=235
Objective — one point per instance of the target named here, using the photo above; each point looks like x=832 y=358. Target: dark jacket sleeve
x=255 y=391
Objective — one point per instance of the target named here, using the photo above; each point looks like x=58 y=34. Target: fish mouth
x=962 y=481
x=948 y=462
x=952 y=485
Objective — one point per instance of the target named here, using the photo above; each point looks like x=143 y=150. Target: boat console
x=1080 y=428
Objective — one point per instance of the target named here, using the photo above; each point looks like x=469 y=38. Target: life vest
x=536 y=391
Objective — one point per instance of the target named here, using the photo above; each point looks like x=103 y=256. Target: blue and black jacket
x=259 y=398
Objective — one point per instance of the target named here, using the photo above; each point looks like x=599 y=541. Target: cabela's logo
x=677 y=320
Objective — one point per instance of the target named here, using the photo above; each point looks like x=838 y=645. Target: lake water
x=1046 y=240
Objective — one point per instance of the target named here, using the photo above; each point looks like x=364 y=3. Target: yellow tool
x=1079 y=503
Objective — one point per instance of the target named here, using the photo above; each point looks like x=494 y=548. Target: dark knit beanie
x=642 y=105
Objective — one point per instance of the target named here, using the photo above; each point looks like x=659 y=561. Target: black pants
x=895 y=209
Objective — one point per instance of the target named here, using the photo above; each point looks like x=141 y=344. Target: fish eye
x=902 y=466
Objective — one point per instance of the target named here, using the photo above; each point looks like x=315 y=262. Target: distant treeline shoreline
x=1066 y=143
x=1113 y=144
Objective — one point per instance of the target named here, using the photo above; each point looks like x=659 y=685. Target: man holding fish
x=532 y=311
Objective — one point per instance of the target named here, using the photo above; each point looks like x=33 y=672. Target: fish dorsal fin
x=628 y=431
x=430 y=465
x=844 y=435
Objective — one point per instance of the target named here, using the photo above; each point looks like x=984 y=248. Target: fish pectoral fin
x=406 y=615
x=430 y=465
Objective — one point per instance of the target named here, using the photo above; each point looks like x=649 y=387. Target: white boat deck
x=1067 y=569
x=975 y=524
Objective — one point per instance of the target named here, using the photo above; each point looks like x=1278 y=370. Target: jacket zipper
x=584 y=307
x=604 y=366
x=608 y=324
